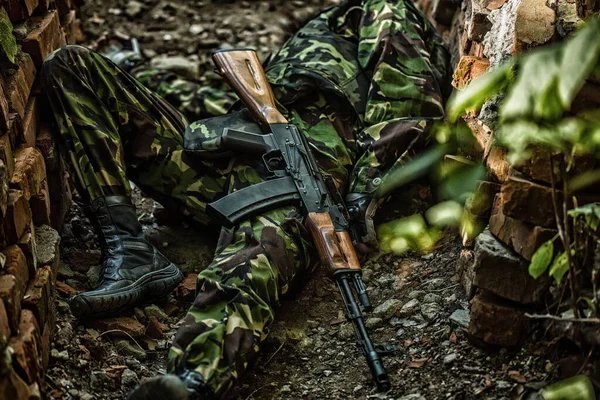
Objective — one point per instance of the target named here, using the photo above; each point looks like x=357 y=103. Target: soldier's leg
x=194 y=101
x=113 y=128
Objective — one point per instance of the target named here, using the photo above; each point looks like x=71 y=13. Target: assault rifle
x=296 y=180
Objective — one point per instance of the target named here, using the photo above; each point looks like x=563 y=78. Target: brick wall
x=515 y=202
x=34 y=192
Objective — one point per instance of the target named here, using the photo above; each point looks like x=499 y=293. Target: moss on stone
x=8 y=43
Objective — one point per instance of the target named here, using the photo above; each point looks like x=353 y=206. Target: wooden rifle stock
x=244 y=73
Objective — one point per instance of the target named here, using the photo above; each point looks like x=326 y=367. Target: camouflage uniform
x=363 y=81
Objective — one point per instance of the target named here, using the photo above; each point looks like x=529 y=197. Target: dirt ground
x=311 y=351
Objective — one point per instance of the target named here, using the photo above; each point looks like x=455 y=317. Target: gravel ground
x=311 y=351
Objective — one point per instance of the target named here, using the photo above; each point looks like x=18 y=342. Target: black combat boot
x=133 y=271
x=188 y=385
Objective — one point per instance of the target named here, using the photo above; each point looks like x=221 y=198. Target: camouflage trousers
x=363 y=82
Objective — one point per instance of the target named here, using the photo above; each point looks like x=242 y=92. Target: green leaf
x=541 y=259
x=478 y=92
x=559 y=267
x=576 y=388
x=589 y=302
x=590 y=212
x=444 y=214
x=460 y=183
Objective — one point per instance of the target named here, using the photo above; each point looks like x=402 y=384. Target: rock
x=93 y=275
x=129 y=379
x=196 y=29
x=372 y=323
x=346 y=331
x=534 y=24
x=133 y=364
x=450 y=358
x=522 y=237
x=387 y=309
x=130 y=350
x=179 y=65
x=432 y=298
x=468 y=69
x=430 y=310
x=498 y=42
x=409 y=308
x=460 y=318
x=119 y=326
x=567 y=20
x=99 y=380
x=479 y=23
x=417 y=294
x=499 y=270
x=155 y=311
x=155 y=329
x=286 y=389
x=134 y=8
x=495 y=321
x=85 y=396
x=47 y=247
x=186 y=290
x=413 y=396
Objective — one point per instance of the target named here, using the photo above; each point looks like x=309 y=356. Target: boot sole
x=152 y=286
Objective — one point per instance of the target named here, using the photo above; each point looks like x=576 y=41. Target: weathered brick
x=8 y=44
x=13 y=387
x=69 y=24
x=40 y=206
x=3 y=188
x=535 y=24
x=30 y=124
x=468 y=69
x=48 y=250
x=496 y=322
x=43 y=36
x=47 y=335
x=39 y=297
x=497 y=164
x=10 y=295
x=28 y=247
x=60 y=196
x=17 y=87
x=443 y=10
x=497 y=269
x=46 y=144
x=64 y=6
x=30 y=172
x=18 y=216
x=16 y=265
x=15 y=129
x=7 y=155
x=4 y=327
x=522 y=237
x=26 y=349
x=538 y=166
x=3 y=110
x=587 y=8
x=20 y=9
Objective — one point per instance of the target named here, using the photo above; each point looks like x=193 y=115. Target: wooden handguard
x=335 y=248
x=244 y=73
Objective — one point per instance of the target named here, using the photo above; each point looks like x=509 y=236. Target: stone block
x=43 y=36
x=186 y=290
x=19 y=10
x=30 y=172
x=26 y=349
x=8 y=44
x=47 y=335
x=496 y=322
x=122 y=326
x=7 y=155
x=538 y=166
x=39 y=297
x=587 y=8
x=70 y=25
x=535 y=24
x=40 y=206
x=496 y=163
x=28 y=247
x=18 y=216
x=3 y=189
x=30 y=124
x=522 y=237
x=15 y=129
x=4 y=327
x=16 y=265
x=468 y=69
x=464 y=268
x=64 y=6
x=48 y=250
x=497 y=269
x=11 y=297
x=13 y=387
x=46 y=144
x=3 y=110
x=17 y=86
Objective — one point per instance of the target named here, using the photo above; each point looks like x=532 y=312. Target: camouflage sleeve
x=194 y=101
x=410 y=69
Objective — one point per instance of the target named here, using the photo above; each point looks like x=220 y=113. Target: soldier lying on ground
x=364 y=82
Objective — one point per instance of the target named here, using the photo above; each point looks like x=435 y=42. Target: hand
x=361 y=208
